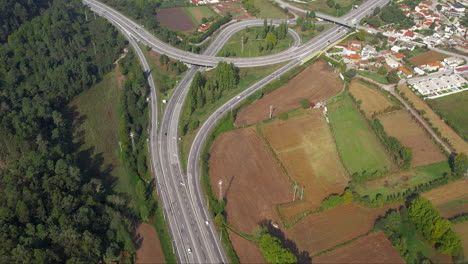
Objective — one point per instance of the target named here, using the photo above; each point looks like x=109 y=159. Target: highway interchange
x=195 y=239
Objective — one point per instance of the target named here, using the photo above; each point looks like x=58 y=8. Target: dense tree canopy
x=274 y=252
x=52 y=210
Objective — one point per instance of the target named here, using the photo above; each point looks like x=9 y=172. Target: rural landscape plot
x=427 y=57
x=372 y=100
x=148 y=245
x=325 y=230
x=175 y=19
x=316 y=83
x=462 y=230
x=252 y=180
x=359 y=148
x=451 y=199
x=372 y=249
x=458 y=143
x=453 y=108
x=399 y=124
x=306 y=148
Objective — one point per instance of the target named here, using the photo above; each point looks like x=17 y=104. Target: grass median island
x=359 y=148
x=256 y=43
x=453 y=109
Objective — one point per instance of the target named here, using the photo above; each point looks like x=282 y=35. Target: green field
x=321 y=6
x=453 y=109
x=374 y=76
x=248 y=76
x=310 y=34
x=196 y=13
x=359 y=148
x=268 y=10
x=252 y=43
x=400 y=182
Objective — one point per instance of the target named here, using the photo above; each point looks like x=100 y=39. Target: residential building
x=391 y=62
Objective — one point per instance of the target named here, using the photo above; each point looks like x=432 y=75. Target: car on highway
x=189 y=250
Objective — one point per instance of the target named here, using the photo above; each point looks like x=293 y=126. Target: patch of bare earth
x=400 y=124
x=374 y=248
x=451 y=199
x=148 y=247
x=247 y=251
x=316 y=83
x=372 y=101
x=175 y=18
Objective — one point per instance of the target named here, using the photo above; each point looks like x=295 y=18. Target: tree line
x=206 y=88
x=53 y=209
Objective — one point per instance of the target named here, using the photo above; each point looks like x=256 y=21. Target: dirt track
x=252 y=180
x=149 y=251
x=316 y=83
x=372 y=249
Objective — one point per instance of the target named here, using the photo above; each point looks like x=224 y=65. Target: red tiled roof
x=405 y=71
x=399 y=55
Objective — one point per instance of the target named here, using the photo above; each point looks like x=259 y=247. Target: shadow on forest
x=302 y=257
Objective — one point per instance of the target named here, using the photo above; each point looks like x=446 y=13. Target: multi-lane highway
x=194 y=236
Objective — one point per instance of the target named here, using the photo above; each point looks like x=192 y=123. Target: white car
x=189 y=250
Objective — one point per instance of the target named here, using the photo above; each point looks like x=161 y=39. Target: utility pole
x=86 y=15
x=120 y=145
x=271 y=111
x=220 y=184
x=295 y=190
x=94 y=15
x=132 y=136
x=94 y=45
x=302 y=194
x=242 y=44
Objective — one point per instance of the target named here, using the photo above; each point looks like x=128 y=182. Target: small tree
x=270 y=40
x=361 y=35
x=163 y=60
x=392 y=77
x=274 y=252
x=350 y=73
x=382 y=70
x=283 y=116
x=305 y=103
x=459 y=164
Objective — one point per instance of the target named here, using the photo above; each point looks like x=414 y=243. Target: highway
x=194 y=237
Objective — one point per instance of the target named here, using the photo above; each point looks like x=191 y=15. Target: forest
x=53 y=209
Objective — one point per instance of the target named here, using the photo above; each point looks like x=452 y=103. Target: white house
x=418 y=71
x=391 y=62
x=453 y=61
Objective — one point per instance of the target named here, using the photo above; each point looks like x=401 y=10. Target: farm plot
x=359 y=148
x=450 y=199
x=175 y=18
x=401 y=181
x=197 y=13
x=306 y=148
x=322 y=6
x=252 y=180
x=372 y=101
x=232 y=7
x=458 y=143
x=267 y=9
x=316 y=83
x=247 y=251
x=462 y=229
x=400 y=125
x=453 y=109
x=374 y=248
x=328 y=229
x=148 y=246
x=430 y=56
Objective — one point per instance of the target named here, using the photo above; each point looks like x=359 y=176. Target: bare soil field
x=306 y=148
x=372 y=101
x=462 y=229
x=247 y=251
x=450 y=199
x=175 y=18
x=253 y=182
x=316 y=83
x=374 y=248
x=399 y=124
x=458 y=143
x=322 y=231
x=149 y=249
x=430 y=56
x=234 y=7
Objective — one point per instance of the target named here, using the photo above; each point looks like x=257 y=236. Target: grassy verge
x=357 y=145
x=321 y=6
x=196 y=13
x=374 y=76
x=269 y=10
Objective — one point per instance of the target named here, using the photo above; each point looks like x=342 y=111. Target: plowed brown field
x=306 y=148
x=372 y=100
x=458 y=143
x=316 y=83
x=400 y=125
x=149 y=249
x=252 y=180
x=175 y=18
x=430 y=56
x=319 y=232
x=374 y=248
x=450 y=199
x=247 y=251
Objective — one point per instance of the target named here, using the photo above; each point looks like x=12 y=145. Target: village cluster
x=436 y=26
